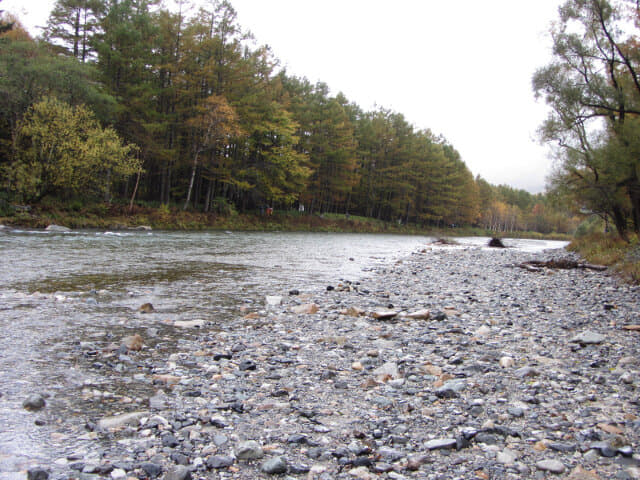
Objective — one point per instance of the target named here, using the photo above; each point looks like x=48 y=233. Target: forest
x=126 y=101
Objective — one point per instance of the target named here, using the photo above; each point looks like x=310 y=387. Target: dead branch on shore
x=495 y=242
x=560 y=264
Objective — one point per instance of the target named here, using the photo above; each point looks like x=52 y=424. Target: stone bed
x=451 y=364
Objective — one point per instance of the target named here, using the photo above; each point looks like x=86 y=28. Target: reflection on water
x=57 y=290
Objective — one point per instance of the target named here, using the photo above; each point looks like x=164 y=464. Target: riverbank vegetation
x=128 y=103
x=593 y=88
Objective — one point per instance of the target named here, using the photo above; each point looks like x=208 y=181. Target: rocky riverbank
x=453 y=363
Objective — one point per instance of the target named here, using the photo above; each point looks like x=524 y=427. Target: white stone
x=483 y=331
x=121 y=420
x=507 y=457
x=189 y=323
x=507 y=362
x=273 y=300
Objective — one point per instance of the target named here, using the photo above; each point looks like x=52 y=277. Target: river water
x=62 y=291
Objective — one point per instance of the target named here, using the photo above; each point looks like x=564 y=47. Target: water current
x=60 y=291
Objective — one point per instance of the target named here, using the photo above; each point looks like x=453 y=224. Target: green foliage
x=64 y=150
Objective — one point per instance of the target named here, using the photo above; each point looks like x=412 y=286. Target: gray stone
x=274 y=466
x=37 y=473
x=178 y=472
x=553 y=466
x=250 y=450
x=34 y=402
x=440 y=443
x=219 y=461
x=588 y=338
x=153 y=470
x=507 y=457
x=516 y=412
x=451 y=389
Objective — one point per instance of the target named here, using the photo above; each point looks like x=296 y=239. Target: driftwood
x=444 y=241
x=561 y=264
x=496 y=243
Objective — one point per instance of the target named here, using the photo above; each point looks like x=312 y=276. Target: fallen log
x=560 y=264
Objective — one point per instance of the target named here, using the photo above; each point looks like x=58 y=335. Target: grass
x=611 y=250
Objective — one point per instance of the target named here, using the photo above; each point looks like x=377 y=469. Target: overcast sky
x=461 y=68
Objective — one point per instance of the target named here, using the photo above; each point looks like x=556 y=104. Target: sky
x=461 y=68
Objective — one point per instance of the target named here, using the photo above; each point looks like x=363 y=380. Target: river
x=60 y=289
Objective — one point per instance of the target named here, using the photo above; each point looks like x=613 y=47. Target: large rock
x=274 y=466
x=250 y=450
x=34 y=402
x=588 y=338
x=178 y=472
x=37 y=473
x=122 y=420
x=451 y=389
x=441 y=443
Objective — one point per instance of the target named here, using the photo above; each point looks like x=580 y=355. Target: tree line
x=125 y=100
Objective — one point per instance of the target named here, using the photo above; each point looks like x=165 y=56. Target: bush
x=222 y=206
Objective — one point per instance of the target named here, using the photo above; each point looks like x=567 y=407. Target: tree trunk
x=193 y=177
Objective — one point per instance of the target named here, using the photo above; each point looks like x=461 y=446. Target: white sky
x=461 y=68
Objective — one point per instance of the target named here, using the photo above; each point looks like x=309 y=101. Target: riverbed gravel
x=453 y=363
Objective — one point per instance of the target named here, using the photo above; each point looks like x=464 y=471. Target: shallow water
x=60 y=289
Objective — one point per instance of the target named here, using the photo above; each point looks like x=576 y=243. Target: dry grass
x=611 y=250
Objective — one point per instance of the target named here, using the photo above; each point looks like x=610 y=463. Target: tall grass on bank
x=611 y=250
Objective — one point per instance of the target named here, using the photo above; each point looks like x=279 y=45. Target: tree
x=64 y=151
x=73 y=23
x=215 y=121
x=593 y=88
